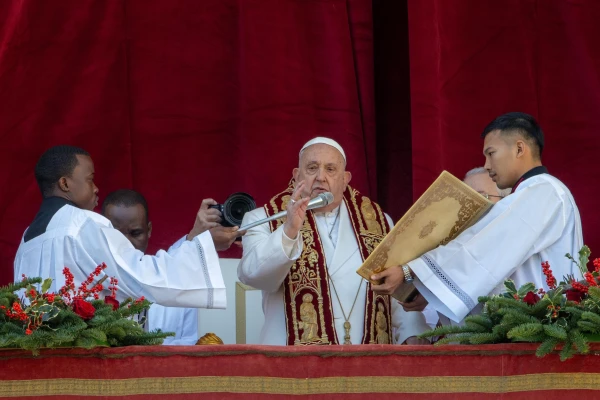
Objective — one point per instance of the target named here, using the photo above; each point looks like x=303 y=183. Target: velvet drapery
x=181 y=100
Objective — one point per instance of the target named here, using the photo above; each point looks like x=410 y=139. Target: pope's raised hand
x=206 y=218
x=296 y=212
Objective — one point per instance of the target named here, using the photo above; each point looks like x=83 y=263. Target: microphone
x=321 y=200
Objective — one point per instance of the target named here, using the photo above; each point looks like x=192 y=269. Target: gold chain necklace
x=347 y=325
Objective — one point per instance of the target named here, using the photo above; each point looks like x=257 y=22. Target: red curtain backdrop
x=186 y=99
x=181 y=99
x=473 y=60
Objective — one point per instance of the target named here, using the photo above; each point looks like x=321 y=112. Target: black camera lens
x=234 y=208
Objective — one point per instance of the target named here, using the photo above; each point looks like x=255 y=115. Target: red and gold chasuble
x=308 y=309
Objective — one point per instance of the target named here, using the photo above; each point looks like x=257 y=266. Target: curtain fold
x=180 y=99
x=471 y=61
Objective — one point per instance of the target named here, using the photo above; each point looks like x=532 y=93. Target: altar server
x=127 y=210
x=539 y=221
x=306 y=263
x=67 y=233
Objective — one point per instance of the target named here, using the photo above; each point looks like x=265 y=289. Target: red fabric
x=472 y=60
x=307 y=363
x=184 y=99
x=180 y=99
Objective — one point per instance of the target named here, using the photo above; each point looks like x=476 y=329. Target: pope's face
x=323 y=169
x=500 y=153
x=485 y=186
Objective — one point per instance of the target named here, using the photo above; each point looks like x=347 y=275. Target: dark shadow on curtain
x=392 y=106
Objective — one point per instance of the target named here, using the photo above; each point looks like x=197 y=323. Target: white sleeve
x=181 y=241
x=406 y=324
x=189 y=276
x=189 y=332
x=187 y=327
x=452 y=277
x=267 y=257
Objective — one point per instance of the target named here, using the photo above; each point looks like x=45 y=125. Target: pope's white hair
x=481 y=170
x=476 y=171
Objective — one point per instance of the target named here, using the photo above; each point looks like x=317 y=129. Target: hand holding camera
x=223 y=220
x=234 y=208
x=206 y=218
x=224 y=236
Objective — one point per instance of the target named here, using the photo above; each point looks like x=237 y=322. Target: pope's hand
x=392 y=278
x=206 y=218
x=296 y=212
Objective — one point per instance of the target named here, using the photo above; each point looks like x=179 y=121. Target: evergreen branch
x=579 y=341
x=546 y=347
x=482 y=320
x=587 y=326
x=484 y=338
x=591 y=317
x=594 y=292
x=512 y=303
x=523 y=331
x=555 y=331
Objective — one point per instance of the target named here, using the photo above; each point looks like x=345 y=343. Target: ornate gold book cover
x=448 y=207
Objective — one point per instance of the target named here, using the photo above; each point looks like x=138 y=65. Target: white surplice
x=190 y=276
x=539 y=222
x=182 y=321
x=268 y=258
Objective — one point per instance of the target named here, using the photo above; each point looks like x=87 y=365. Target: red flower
x=574 y=295
x=110 y=300
x=28 y=331
x=531 y=298
x=82 y=308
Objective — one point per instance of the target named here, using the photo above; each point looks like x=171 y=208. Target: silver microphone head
x=321 y=200
x=327 y=198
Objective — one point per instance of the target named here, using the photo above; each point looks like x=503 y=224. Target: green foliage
x=55 y=324
x=546 y=347
x=555 y=331
x=503 y=302
x=552 y=321
x=524 y=331
x=591 y=317
x=582 y=261
x=511 y=289
x=483 y=338
x=526 y=288
x=579 y=341
x=481 y=320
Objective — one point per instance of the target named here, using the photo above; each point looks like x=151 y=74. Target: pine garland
x=521 y=315
x=50 y=320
